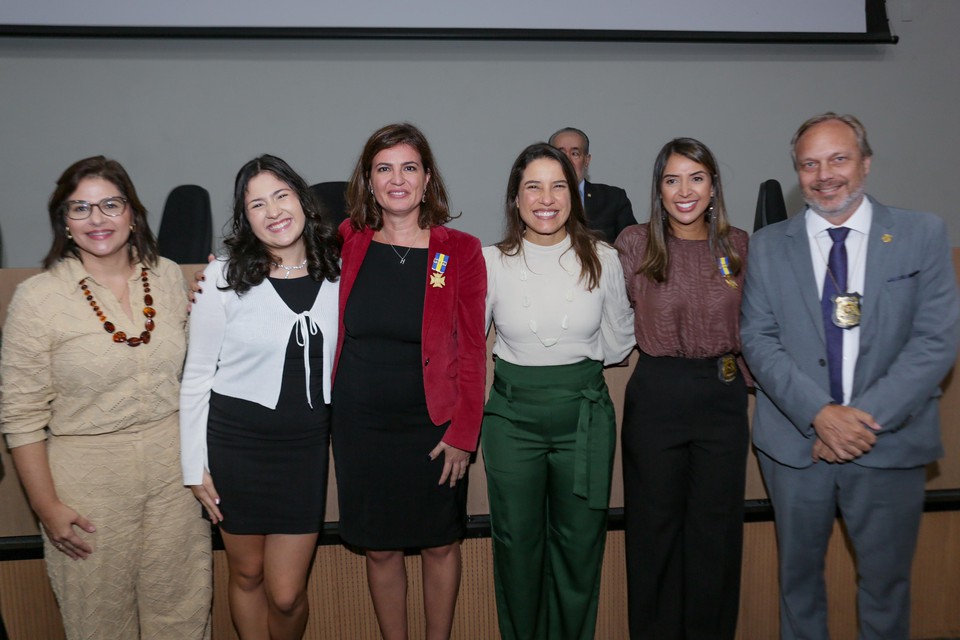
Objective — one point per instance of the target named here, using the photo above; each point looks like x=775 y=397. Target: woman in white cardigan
x=255 y=395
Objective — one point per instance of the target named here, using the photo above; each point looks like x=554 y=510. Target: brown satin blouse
x=695 y=313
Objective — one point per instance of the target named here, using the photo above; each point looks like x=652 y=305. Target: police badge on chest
x=846 y=310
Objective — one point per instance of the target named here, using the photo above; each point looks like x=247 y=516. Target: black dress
x=382 y=434
x=270 y=466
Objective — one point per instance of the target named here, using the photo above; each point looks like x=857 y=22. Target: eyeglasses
x=81 y=209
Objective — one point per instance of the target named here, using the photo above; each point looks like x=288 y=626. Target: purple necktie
x=835 y=283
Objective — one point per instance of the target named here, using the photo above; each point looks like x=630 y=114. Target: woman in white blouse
x=254 y=412
x=556 y=296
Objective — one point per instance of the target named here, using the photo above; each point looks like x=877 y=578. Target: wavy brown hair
x=249 y=259
x=142 y=245
x=656 y=258
x=583 y=241
x=362 y=207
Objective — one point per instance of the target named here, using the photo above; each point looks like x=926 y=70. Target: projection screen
x=811 y=20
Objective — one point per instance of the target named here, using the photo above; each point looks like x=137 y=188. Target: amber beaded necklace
x=148 y=311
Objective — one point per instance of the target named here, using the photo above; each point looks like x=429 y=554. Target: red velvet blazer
x=452 y=340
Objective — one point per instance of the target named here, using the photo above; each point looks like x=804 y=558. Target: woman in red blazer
x=409 y=376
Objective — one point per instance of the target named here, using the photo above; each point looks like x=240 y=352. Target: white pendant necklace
x=297 y=267
x=528 y=305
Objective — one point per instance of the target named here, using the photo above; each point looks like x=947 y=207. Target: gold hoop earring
x=69 y=235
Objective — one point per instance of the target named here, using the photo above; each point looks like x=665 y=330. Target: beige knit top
x=61 y=371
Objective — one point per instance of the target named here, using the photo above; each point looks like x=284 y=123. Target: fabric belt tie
x=594 y=443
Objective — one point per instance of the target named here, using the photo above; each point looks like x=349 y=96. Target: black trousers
x=685 y=435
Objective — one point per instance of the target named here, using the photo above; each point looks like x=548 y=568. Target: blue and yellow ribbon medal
x=724 y=264
x=439 y=267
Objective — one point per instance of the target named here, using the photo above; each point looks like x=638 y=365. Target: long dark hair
x=656 y=258
x=582 y=239
x=249 y=260
x=141 y=244
x=362 y=206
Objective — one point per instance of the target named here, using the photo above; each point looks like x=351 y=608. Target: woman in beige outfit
x=91 y=360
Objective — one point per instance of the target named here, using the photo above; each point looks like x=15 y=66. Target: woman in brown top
x=685 y=415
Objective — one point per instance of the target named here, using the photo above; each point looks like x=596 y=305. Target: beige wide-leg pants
x=150 y=574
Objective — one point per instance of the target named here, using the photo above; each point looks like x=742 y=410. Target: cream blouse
x=544 y=314
x=63 y=374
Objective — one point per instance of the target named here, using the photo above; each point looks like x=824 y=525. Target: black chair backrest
x=186 y=229
x=333 y=198
x=770 y=205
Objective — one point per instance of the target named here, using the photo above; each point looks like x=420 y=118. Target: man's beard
x=837 y=209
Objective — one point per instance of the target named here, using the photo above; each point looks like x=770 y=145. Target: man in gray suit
x=849 y=324
x=607 y=208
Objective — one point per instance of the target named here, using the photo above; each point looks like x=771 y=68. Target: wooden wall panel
x=340 y=605
x=612 y=612
x=759 y=595
x=27 y=605
x=16 y=519
x=936 y=578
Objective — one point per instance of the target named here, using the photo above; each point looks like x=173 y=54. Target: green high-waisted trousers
x=548 y=441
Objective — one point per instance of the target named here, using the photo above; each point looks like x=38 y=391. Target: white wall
x=180 y=111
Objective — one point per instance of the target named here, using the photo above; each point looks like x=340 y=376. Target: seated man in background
x=607 y=208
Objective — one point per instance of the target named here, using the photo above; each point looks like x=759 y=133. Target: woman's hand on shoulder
x=58 y=521
x=207 y=494
x=456 y=462
x=195 y=286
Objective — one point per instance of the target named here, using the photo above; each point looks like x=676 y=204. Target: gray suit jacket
x=908 y=338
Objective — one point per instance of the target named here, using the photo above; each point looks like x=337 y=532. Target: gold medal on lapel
x=846 y=310
x=437 y=279
x=724 y=264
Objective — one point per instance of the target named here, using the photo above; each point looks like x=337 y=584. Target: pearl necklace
x=148 y=311
x=289 y=269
